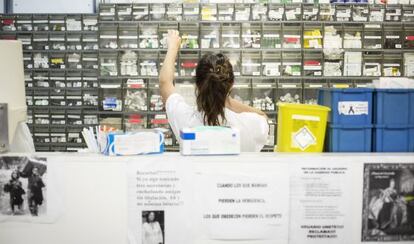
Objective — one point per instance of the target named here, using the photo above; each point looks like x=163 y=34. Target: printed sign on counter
x=320 y=196
x=239 y=206
x=171 y=202
x=158 y=211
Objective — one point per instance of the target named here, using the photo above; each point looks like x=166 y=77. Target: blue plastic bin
x=389 y=138
x=394 y=107
x=349 y=138
x=351 y=106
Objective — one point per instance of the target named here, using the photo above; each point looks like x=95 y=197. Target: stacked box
x=350 y=120
x=394 y=120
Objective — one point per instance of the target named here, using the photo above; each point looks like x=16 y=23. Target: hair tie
x=216 y=71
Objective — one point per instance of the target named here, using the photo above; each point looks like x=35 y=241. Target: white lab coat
x=253 y=127
x=152 y=233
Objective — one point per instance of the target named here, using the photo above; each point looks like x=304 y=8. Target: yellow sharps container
x=301 y=127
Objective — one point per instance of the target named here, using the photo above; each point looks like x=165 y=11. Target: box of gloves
x=132 y=143
x=210 y=140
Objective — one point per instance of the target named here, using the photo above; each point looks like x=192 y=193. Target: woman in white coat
x=214 y=80
x=151 y=231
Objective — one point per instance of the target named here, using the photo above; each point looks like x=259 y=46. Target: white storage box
x=209 y=140
x=132 y=143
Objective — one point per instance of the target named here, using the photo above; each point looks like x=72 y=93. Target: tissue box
x=209 y=140
x=134 y=143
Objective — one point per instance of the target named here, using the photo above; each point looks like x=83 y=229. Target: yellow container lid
x=304 y=106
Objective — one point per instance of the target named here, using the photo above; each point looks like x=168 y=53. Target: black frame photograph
x=388 y=202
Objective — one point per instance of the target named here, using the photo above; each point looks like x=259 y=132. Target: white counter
x=94 y=191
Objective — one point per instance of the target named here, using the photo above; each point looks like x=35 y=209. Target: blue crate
x=349 y=138
x=351 y=106
x=394 y=107
x=393 y=138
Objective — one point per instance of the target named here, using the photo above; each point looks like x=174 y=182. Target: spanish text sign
x=243 y=206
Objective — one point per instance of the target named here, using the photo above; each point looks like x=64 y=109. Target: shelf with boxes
x=59 y=127
x=132 y=103
x=333 y=44
x=210 y=12
x=60 y=54
x=259 y=63
x=280 y=52
x=286 y=60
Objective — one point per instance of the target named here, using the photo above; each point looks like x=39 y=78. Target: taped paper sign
x=353 y=108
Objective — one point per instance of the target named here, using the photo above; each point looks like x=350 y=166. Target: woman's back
x=253 y=127
x=214 y=82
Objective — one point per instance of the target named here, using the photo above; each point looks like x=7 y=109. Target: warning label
x=353 y=108
x=303 y=138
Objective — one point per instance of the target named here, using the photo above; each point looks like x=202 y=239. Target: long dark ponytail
x=214 y=80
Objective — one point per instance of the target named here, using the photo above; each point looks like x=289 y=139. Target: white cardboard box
x=209 y=140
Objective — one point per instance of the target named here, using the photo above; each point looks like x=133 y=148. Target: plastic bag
x=22 y=140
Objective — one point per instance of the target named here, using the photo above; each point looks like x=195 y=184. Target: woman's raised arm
x=168 y=68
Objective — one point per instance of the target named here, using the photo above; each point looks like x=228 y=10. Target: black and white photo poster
x=28 y=192
x=23 y=186
x=388 y=202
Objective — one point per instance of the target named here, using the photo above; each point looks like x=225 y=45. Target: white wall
x=1 y=6
x=53 y=6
